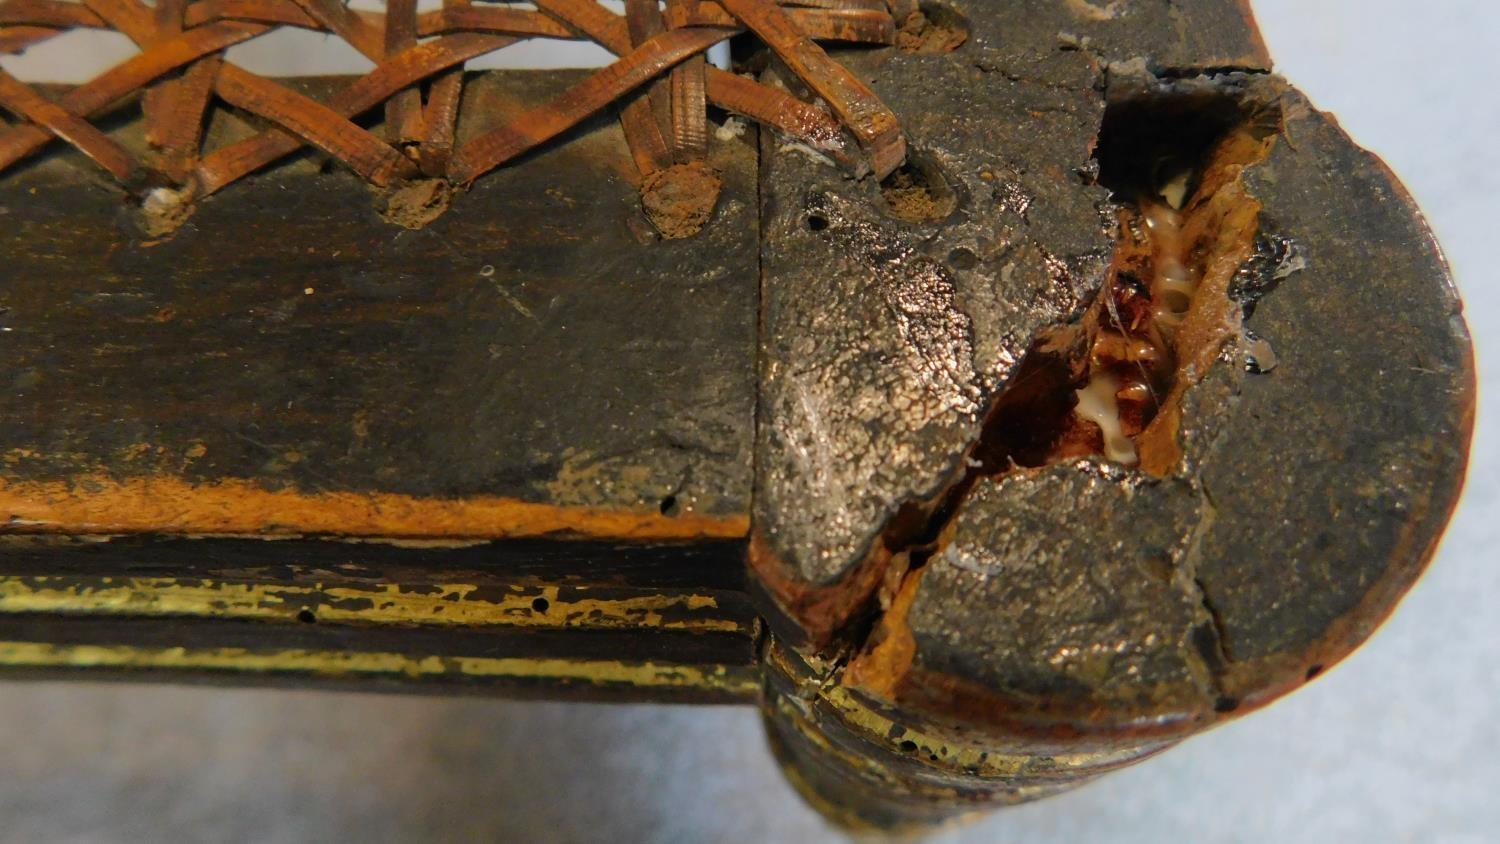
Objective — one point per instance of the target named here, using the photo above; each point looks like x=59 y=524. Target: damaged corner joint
x=1048 y=615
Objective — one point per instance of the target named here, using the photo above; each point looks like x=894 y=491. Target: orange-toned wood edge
x=103 y=505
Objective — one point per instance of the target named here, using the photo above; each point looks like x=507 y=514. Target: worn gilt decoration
x=995 y=393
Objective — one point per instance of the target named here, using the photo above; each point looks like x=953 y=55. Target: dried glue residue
x=1175 y=189
x=1174 y=284
x=1097 y=404
x=1260 y=358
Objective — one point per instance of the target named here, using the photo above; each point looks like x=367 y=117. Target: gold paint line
x=740 y=681
x=448 y=604
x=987 y=762
x=99 y=504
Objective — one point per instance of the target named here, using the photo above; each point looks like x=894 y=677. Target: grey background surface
x=1399 y=743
